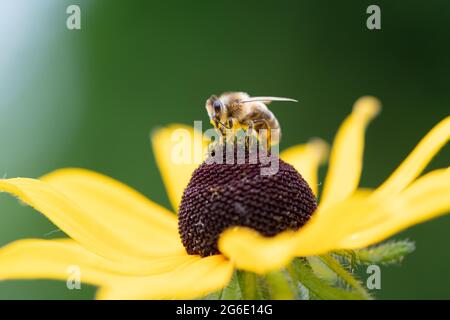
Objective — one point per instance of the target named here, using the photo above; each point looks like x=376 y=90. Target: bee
x=234 y=110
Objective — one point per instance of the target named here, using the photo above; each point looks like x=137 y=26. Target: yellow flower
x=129 y=246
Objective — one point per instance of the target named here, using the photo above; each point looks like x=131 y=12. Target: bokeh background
x=89 y=98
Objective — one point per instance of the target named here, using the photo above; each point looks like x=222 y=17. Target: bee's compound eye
x=217 y=105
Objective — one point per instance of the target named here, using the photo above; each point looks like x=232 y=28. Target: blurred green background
x=89 y=98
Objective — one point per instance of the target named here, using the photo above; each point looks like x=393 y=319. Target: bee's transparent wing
x=267 y=99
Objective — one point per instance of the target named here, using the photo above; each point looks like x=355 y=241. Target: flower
x=266 y=196
x=130 y=247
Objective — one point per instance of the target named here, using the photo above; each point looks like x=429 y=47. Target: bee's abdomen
x=273 y=122
x=269 y=121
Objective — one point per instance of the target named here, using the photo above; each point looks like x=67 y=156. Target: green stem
x=279 y=286
x=248 y=282
x=337 y=268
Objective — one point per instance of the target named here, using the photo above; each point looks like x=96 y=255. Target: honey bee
x=233 y=110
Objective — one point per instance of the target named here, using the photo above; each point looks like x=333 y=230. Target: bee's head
x=216 y=109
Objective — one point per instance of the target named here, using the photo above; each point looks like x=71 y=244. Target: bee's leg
x=223 y=133
x=230 y=126
x=262 y=123
x=230 y=123
x=221 y=138
x=248 y=137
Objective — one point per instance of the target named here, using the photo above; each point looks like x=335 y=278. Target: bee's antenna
x=267 y=99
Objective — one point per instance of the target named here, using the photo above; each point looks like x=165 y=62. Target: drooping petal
x=333 y=223
x=128 y=227
x=119 y=206
x=58 y=259
x=52 y=259
x=191 y=280
x=357 y=222
x=425 y=199
x=306 y=158
x=414 y=164
x=345 y=163
x=178 y=150
x=251 y=251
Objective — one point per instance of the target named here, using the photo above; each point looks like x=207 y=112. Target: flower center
x=220 y=196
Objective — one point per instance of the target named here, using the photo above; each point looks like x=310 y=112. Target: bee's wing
x=267 y=99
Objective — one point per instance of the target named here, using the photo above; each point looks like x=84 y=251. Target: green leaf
x=322 y=270
x=319 y=288
x=303 y=292
x=263 y=286
x=212 y=296
x=346 y=276
x=391 y=252
x=279 y=286
x=249 y=284
x=232 y=291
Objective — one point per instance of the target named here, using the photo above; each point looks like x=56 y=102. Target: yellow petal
x=178 y=150
x=425 y=199
x=357 y=222
x=306 y=158
x=52 y=259
x=345 y=164
x=331 y=224
x=57 y=259
x=250 y=251
x=337 y=222
x=191 y=280
x=128 y=227
x=151 y=227
x=414 y=164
